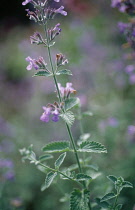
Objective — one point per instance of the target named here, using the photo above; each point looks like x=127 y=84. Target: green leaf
x=45 y=157
x=68 y=117
x=92 y=146
x=58 y=146
x=64 y=71
x=43 y=73
x=82 y=177
x=88 y=113
x=127 y=184
x=49 y=179
x=71 y=102
x=103 y=204
x=108 y=196
x=60 y=160
x=112 y=178
x=79 y=200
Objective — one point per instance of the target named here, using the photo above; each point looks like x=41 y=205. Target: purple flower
x=131 y=129
x=51 y=109
x=9 y=175
x=53 y=32
x=46 y=114
x=6 y=163
x=61 y=11
x=122 y=26
x=55 y=117
x=36 y=38
x=66 y=91
x=26 y=2
x=57 y=0
x=113 y=122
x=32 y=63
x=36 y=64
x=116 y=3
x=129 y=69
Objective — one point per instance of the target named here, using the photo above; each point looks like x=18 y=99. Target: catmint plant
x=60 y=109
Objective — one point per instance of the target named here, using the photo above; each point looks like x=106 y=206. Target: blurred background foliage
x=91 y=41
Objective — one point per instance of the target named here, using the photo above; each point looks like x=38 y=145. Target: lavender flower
x=46 y=114
x=129 y=69
x=51 y=109
x=36 y=64
x=61 y=11
x=66 y=91
x=124 y=6
x=122 y=26
x=26 y=2
x=53 y=32
x=36 y=38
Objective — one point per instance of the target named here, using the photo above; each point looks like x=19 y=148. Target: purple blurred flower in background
x=131 y=132
x=7 y=169
x=109 y=122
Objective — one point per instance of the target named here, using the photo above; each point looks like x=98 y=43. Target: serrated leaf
x=88 y=113
x=43 y=73
x=127 y=184
x=112 y=178
x=79 y=200
x=49 y=179
x=108 y=196
x=71 y=102
x=82 y=177
x=64 y=71
x=103 y=204
x=92 y=146
x=45 y=157
x=58 y=146
x=60 y=160
x=68 y=117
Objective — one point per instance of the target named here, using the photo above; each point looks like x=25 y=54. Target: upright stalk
x=60 y=100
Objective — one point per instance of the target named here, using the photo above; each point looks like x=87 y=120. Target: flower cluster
x=42 y=12
x=36 y=64
x=124 y=6
x=50 y=109
x=60 y=60
x=66 y=91
x=128 y=29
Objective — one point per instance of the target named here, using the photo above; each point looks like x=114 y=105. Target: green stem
x=54 y=170
x=115 y=202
